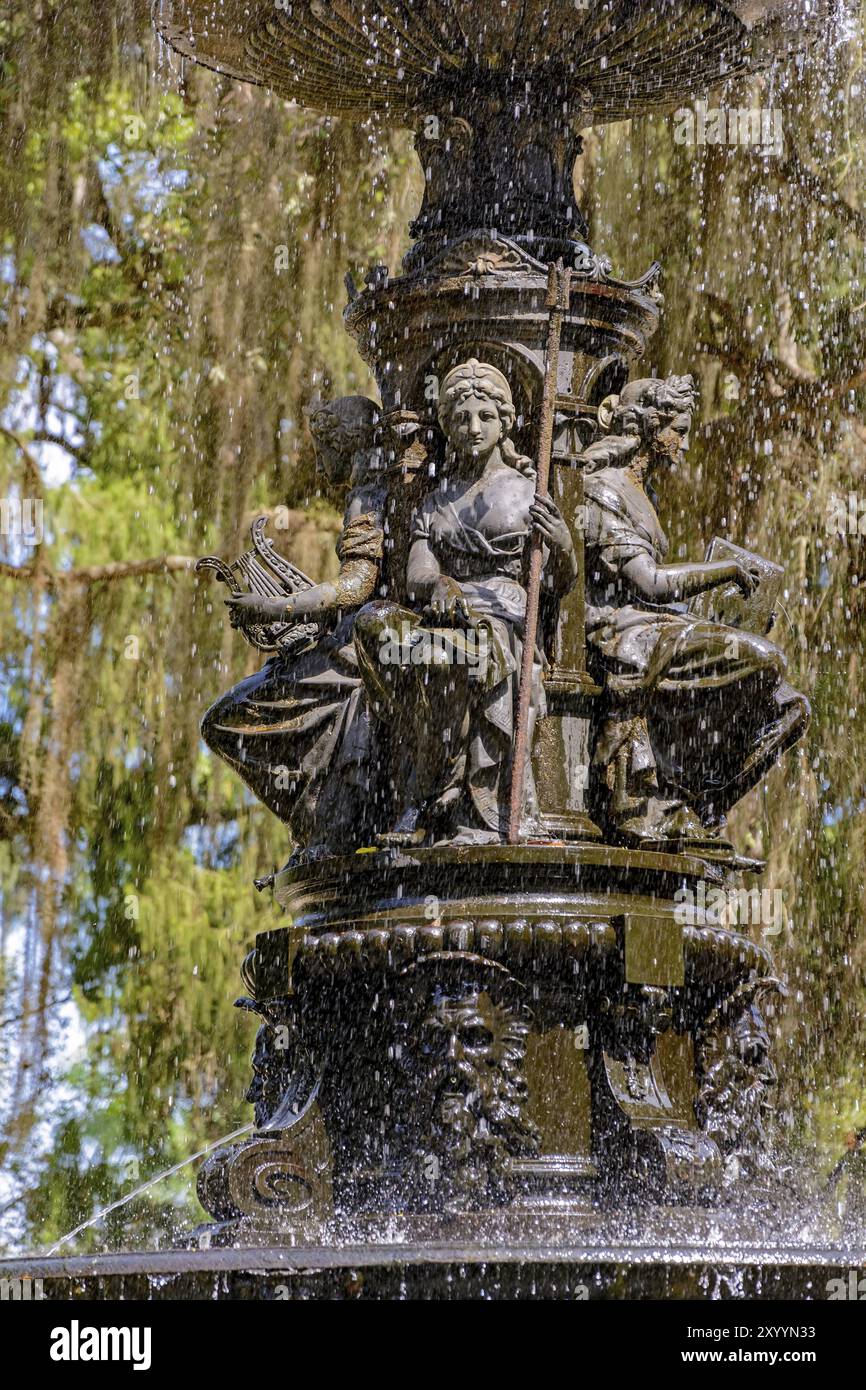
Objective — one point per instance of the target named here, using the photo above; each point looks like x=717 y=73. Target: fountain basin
x=400 y=60
x=458 y=1267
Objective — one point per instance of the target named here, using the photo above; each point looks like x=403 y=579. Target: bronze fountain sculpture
x=502 y=738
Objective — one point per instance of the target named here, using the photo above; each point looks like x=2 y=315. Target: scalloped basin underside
x=610 y=60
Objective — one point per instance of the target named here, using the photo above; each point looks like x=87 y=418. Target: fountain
x=512 y=1023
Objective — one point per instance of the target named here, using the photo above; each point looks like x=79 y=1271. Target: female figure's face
x=475 y=428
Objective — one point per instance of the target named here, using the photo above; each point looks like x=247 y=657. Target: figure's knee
x=212 y=729
x=383 y=641
x=764 y=655
x=802 y=712
x=206 y=727
x=778 y=663
x=374 y=622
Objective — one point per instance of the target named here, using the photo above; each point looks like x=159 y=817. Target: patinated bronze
x=454 y=714
x=695 y=711
x=298 y=732
x=487 y=998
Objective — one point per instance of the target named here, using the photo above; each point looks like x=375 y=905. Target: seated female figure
x=451 y=712
x=298 y=731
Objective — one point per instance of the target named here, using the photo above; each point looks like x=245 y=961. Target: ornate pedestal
x=482 y=1029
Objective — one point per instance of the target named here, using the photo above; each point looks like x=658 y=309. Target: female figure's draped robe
x=458 y=715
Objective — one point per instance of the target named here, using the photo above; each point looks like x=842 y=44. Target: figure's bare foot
x=667 y=826
x=402 y=839
x=406 y=834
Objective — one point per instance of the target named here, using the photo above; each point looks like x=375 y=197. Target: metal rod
x=558 y=287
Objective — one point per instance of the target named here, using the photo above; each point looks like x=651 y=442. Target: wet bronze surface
x=617 y=61
x=505 y=740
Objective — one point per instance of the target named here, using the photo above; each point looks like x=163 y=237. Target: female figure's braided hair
x=474 y=378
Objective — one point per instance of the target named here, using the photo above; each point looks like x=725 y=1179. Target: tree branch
x=121 y=569
x=49 y=437
x=32 y=472
x=97 y=574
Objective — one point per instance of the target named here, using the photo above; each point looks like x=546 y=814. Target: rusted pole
x=558 y=286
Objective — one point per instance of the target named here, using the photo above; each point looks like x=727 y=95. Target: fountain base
x=522 y=1031
x=706 y=1258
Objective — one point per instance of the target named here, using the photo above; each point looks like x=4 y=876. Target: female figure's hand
x=548 y=519
x=747 y=578
x=448 y=604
